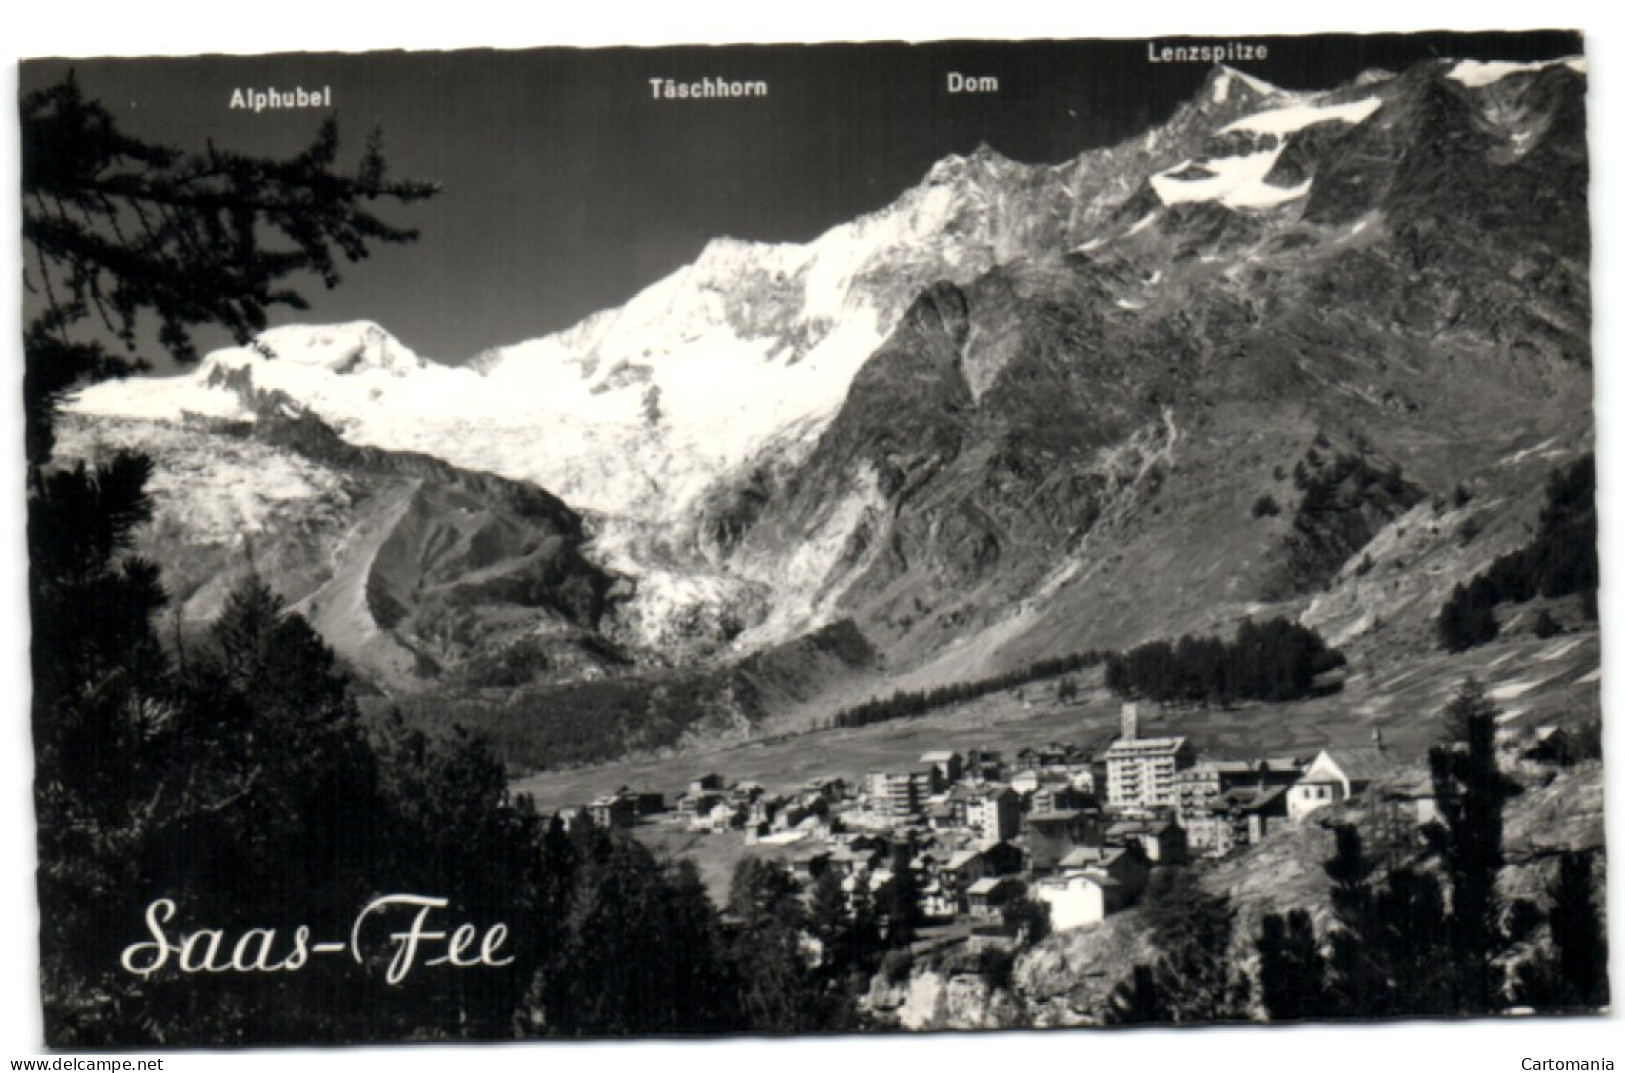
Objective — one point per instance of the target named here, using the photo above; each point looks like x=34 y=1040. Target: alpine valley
x=1313 y=355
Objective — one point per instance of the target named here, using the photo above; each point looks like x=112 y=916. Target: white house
x=1075 y=900
x=1337 y=775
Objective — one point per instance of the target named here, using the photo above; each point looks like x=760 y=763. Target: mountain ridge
x=1023 y=409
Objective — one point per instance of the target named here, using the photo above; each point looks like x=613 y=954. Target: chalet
x=864 y=842
x=945 y=766
x=790 y=814
x=987 y=896
x=1075 y=899
x=875 y=883
x=724 y=816
x=815 y=825
x=964 y=867
x=939 y=902
x=1260 y=811
x=1335 y=776
x=1052 y=835
x=847 y=860
x=814 y=804
x=929 y=861
x=614 y=810
x=1093 y=882
x=705 y=783
x=1200 y=790
x=1162 y=840
x=1243 y=816
x=984 y=764
x=1413 y=797
x=1001 y=859
x=765 y=808
x=694 y=807
x=1055 y=797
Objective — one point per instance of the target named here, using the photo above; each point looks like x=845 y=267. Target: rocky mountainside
x=1024 y=410
x=413 y=569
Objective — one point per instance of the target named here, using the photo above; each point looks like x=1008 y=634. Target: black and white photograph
x=698 y=542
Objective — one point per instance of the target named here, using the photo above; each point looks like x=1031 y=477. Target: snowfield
x=1237 y=181
x=1476 y=74
x=1296 y=117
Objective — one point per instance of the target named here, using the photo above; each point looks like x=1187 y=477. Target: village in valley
x=1077 y=828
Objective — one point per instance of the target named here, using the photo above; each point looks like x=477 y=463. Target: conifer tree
x=902 y=898
x=1471 y=791
x=828 y=918
x=1194 y=979
x=1574 y=973
x=119 y=233
x=777 y=989
x=1291 y=970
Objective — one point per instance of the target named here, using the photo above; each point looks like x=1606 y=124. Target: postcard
x=801 y=539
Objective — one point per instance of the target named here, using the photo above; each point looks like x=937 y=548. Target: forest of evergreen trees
x=1561 y=560
x=1272 y=661
x=905 y=703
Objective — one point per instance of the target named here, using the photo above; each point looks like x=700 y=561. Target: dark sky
x=567 y=188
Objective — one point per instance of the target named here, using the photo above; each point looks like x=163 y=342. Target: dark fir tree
x=1195 y=978
x=1026 y=920
x=778 y=992
x=902 y=898
x=1577 y=932
x=1573 y=973
x=828 y=919
x=1471 y=791
x=1358 y=971
x=1137 y=1000
x=1291 y=969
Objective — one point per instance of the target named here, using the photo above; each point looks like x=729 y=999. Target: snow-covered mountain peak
x=1225 y=81
x=1372 y=76
x=342 y=348
x=979 y=165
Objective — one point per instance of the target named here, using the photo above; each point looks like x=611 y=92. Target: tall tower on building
x=1131 y=721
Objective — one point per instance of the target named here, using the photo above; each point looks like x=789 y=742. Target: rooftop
x=1139 y=746
x=1362 y=762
